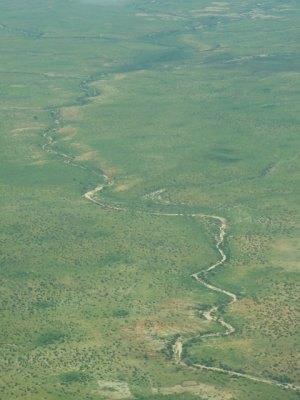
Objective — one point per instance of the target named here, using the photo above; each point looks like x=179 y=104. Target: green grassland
x=198 y=98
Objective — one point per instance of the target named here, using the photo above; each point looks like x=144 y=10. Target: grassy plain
x=198 y=98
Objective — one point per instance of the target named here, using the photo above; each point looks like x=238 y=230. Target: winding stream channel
x=200 y=276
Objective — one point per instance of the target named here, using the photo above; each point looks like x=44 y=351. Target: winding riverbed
x=200 y=276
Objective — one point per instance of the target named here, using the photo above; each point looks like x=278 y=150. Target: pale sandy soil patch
x=259 y=15
x=284 y=8
x=285 y=253
x=171 y=322
x=210 y=14
x=20 y=108
x=285 y=245
x=86 y=156
x=149 y=328
x=240 y=60
x=80 y=146
x=39 y=162
x=119 y=77
x=136 y=334
x=107 y=91
x=179 y=307
x=160 y=15
x=35 y=157
x=26 y=128
x=140 y=14
x=68 y=131
x=125 y=186
x=56 y=75
x=214 y=9
x=217 y=10
x=244 y=306
x=190 y=39
x=170 y=17
x=290 y=74
x=71 y=113
x=140 y=72
x=121 y=188
x=84 y=152
x=288 y=265
x=209 y=9
x=207 y=392
x=220 y=3
x=18 y=86
x=110 y=171
x=114 y=390
x=191 y=196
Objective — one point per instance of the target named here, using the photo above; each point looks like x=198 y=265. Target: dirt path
x=247 y=376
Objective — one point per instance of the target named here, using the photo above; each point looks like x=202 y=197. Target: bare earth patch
x=217 y=9
x=259 y=15
x=68 y=131
x=114 y=390
x=120 y=76
x=153 y=327
x=18 y=131
x=88 y=155
x=72 y=113
x=220 y=3
x=207 y=392
x=107 y=91
x=110 y=171
x=18 y=86
x=122 y=188
x=56 y=75
x=160 y=15
x=127 y=185
x=285 y=253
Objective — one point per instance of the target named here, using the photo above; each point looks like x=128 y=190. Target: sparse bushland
x=200 y=100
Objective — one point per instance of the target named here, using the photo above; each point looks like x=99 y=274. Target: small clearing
x=114 y=390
